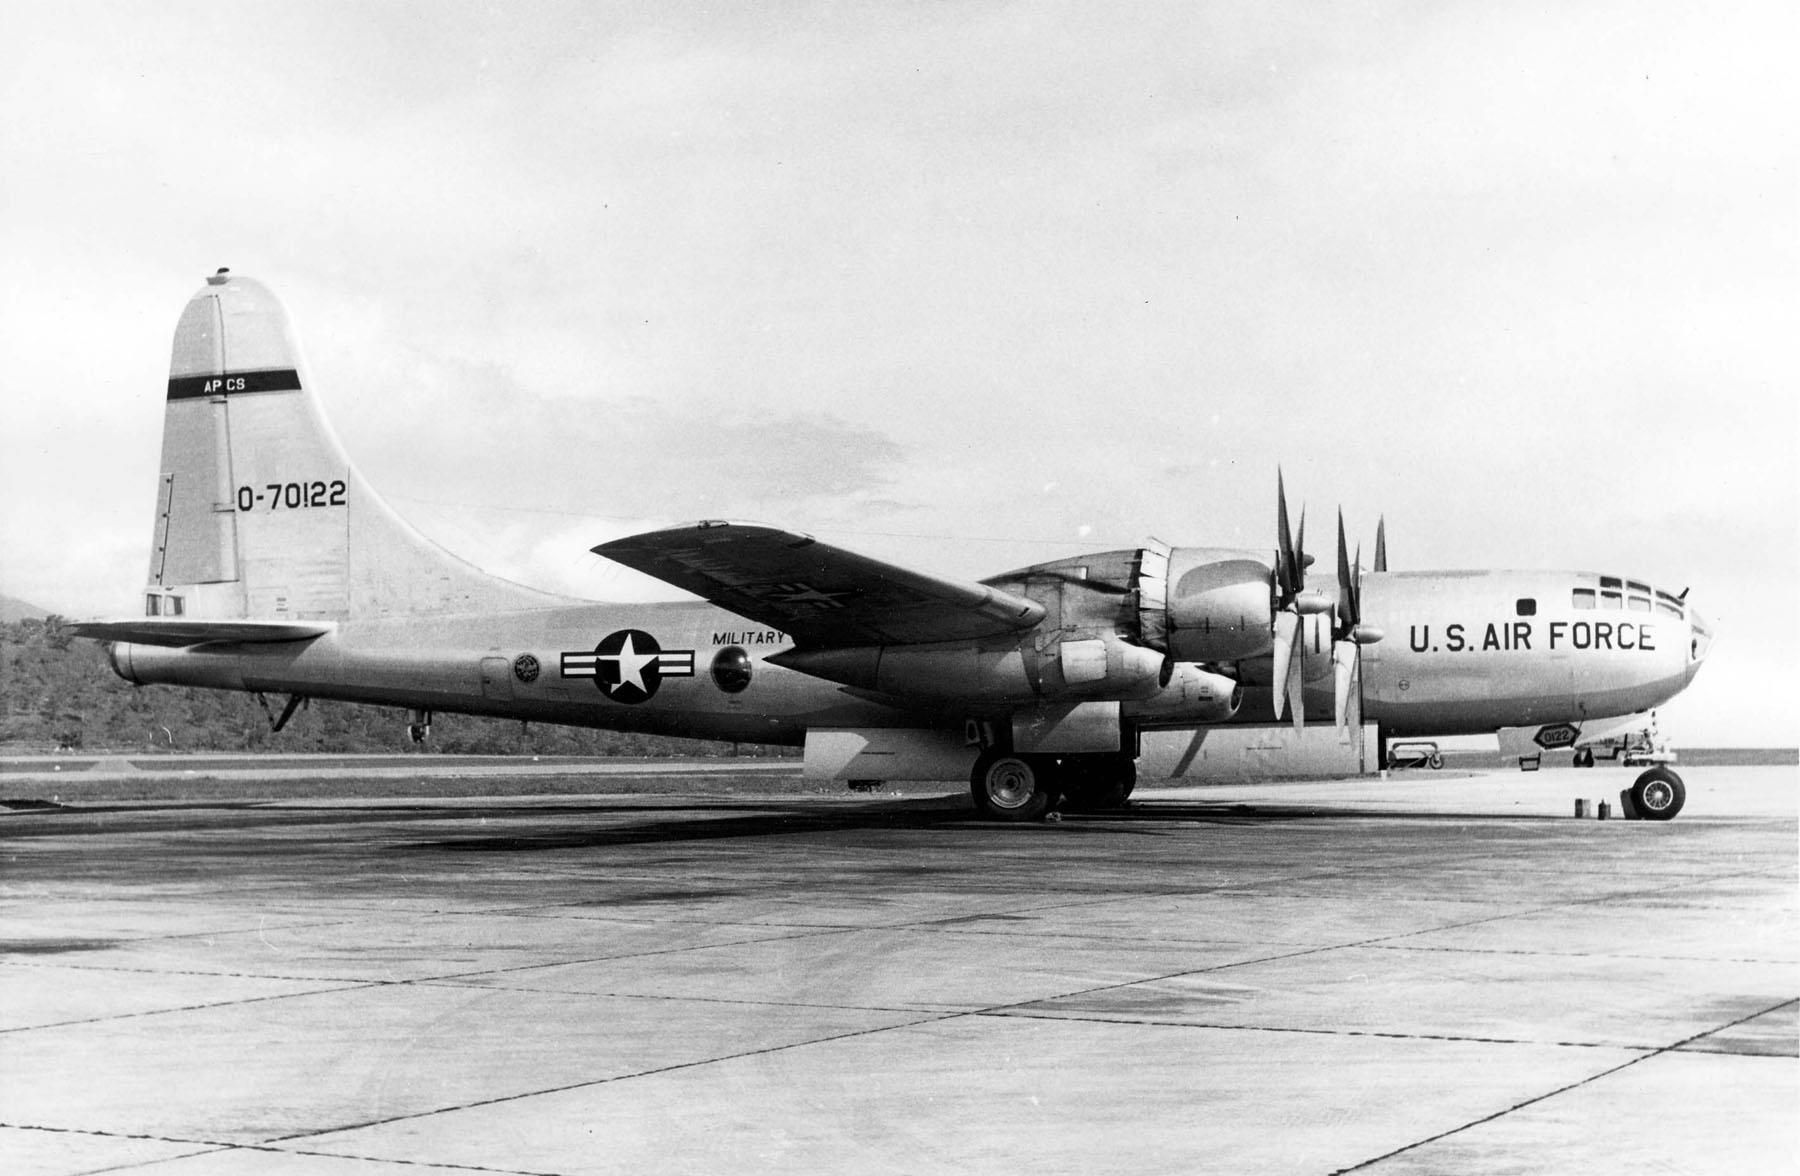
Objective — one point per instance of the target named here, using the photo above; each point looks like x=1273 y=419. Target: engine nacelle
x=1191 y=695
x=1214 y=604
x=1102 y=667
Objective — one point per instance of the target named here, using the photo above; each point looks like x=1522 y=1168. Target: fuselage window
x=177 y=606
x=1584 y=598
x=1526 y=606
x=731 y=669
x=152 y=606
x=1610 y=582
x=1611 y=599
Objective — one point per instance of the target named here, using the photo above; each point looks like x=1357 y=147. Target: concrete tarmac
x=1430 y=973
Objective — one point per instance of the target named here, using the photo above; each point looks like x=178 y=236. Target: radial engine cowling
x=1191 y=695
x=1210 y=605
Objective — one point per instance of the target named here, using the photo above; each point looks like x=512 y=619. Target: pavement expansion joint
x=672 y=1068
x=139 y=1014
x=513 y=969
x=1589 y=1080
x=1386 y=1034
x=1538 y=953
x=210 y=1147
x=331 y=983
x=682 y=998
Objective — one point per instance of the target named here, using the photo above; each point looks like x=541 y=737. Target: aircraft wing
x=820 y=595
x=180 y=631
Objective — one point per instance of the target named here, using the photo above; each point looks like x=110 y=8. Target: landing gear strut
x=419 y=729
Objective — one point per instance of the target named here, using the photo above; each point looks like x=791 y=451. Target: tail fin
x=259 y=512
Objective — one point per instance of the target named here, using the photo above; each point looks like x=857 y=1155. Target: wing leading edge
x=821 y=596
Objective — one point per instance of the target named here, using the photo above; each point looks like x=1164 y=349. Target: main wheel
x=1658 y=794
x=1094 y=782
x=1009 y=787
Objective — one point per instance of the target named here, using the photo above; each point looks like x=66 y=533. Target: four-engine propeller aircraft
x=276 y=569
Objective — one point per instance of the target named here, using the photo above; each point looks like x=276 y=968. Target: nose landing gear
x=1656 y=795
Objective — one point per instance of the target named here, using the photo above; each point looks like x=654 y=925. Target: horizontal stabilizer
x=179 y=631
x=818 y=594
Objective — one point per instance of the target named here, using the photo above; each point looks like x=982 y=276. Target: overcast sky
x=965 y=286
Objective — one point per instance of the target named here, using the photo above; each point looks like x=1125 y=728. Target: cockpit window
x=1640 y=604
x=1612 y=599
x=1663 y=606
x=1584 y=598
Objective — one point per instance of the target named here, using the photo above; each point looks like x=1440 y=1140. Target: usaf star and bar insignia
x=629 y=666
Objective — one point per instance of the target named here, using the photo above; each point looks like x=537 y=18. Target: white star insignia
x=631 y=665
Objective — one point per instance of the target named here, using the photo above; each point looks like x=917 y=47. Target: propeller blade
x=1287 y=625
x=1296 y=684
x=1346 y=613
x=1344 y=658
x=1286 y=566
x=1300 y=561
x=1381 y=544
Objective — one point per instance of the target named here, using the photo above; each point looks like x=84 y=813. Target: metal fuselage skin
x=1470 y=652
x=1462 y=653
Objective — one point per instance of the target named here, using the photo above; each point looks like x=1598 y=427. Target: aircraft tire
x=1658 y=794
x=1092 y=783
x=1008 y=787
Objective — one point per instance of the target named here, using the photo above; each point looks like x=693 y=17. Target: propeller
x=1292 y=602
x=1348 y=633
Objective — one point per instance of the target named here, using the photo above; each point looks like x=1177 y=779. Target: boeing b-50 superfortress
x=276 y=569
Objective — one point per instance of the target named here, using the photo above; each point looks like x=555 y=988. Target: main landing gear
x=1009 y=786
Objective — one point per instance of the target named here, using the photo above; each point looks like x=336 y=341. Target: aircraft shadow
x=753 y=820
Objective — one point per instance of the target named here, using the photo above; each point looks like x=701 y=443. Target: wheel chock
x=1605 y=811
x=1626 y=808
x=1581 y=808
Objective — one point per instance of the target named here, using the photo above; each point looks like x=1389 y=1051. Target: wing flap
x=818 y=594
x=180 y=631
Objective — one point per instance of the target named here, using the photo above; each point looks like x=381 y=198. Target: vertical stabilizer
x=259 y=512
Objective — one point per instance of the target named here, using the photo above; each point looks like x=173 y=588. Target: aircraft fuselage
x=1462 y=653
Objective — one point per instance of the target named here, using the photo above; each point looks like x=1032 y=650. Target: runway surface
x=1433 y=973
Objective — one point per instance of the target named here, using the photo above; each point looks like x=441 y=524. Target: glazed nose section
x=1700 y=639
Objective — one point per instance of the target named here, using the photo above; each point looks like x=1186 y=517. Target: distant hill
x=12 y=610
